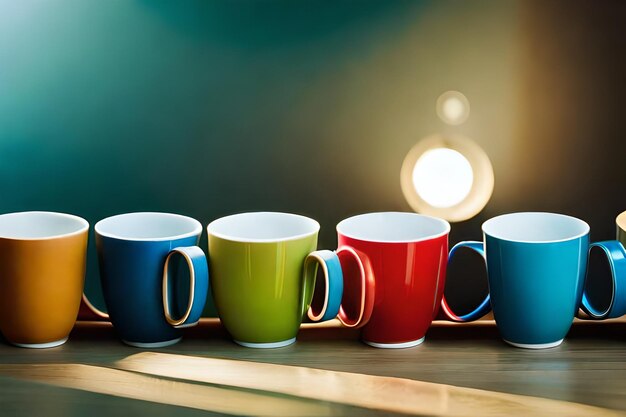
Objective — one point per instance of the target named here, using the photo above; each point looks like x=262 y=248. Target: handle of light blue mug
x=616 y=256
x=485 y=306
x=198 y=286
x=333 y=284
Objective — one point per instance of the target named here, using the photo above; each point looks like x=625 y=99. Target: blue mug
x=138 y=255
x=536 y=268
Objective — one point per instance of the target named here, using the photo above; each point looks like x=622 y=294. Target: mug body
x=408 y=253
x=132 y=249
x=42 y=272
x=536 y=264
x=256 y=265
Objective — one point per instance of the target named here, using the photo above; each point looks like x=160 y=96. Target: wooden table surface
x=329 y=372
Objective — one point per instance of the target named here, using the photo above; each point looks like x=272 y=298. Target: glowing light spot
x=453 y=107
x=447 y=176
x=443 y=177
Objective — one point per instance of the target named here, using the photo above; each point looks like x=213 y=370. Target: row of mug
x=386 y=277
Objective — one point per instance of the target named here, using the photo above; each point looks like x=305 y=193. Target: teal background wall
x=207 y=108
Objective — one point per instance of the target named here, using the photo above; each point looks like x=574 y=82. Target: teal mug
x=536 y=268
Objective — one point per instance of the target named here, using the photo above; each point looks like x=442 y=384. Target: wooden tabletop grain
x=461 y=369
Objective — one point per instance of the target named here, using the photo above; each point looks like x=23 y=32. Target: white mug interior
x=37 y=225
x=393 y=227
x=148 y=226
x=535 y=227
x=263 y=227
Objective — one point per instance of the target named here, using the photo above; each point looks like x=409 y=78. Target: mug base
x=270 y=345
x=535 y=346
x=152 y=345
x=41 y=345
x=402 y=345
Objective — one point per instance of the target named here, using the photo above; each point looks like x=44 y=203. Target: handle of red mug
x=485 y=306
x=356 y=306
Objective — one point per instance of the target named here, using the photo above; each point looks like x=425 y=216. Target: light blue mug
x=536 y=268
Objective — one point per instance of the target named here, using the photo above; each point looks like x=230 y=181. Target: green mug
x=264 y=278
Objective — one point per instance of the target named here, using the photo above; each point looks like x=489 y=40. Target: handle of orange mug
x=198 y=286
x=485 y=306
x=357 y=302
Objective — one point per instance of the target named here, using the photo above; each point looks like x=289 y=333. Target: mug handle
x=616 y=256
x=89 y=312
x=333 y=286
x=198 y=286
x=485 y=306
x=358 y=273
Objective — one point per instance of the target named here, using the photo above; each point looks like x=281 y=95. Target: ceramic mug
x=138 y=254
x=263 y=277
x=536 y=268
x=42 y=272
x=408 y=255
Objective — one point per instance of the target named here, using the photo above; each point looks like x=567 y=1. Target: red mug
x=399 y=260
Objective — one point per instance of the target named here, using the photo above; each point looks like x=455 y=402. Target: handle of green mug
x=616 y=257
x=328 y=308
x=485 y=306
x=198 y=286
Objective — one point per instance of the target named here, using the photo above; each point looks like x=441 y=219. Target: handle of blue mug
x=198 y=286
x=485 y=306
x=333 y=285
x=616 y=256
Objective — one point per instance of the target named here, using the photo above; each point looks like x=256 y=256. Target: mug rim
x=499 y=236
x=445 y=224
x=620 y=221
x=84 y=225
x=196 y=230
x=230 y=237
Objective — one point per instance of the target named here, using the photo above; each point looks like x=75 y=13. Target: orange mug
x=42 y=273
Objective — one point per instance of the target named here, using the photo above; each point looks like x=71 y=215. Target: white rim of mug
x=83 y=228
x=620 y=221
x=196 y=231
x=443 y=222
x=576 y=219
x=212 y=225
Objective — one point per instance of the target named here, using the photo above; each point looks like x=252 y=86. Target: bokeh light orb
x=453 y=108
x=449 y=176
x=443 y=177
